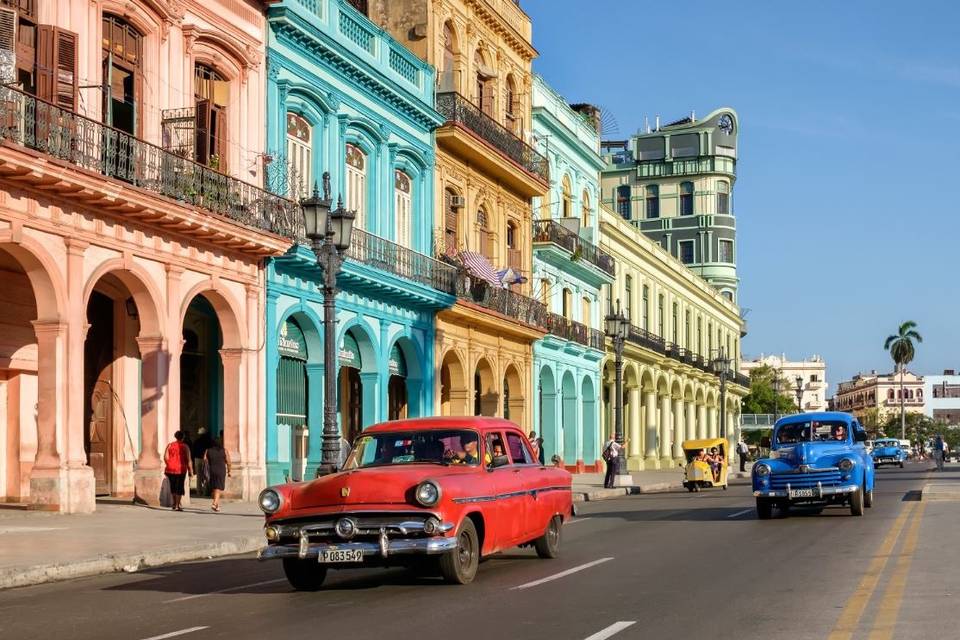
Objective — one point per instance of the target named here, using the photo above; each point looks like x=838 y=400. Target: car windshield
x=433 y=446
x=813 y=431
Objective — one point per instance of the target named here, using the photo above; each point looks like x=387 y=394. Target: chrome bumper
x=383 y=549
x=818 y=492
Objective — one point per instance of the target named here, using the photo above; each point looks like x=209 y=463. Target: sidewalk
x=38 y=547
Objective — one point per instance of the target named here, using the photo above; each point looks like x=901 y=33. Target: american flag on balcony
x=478 y=266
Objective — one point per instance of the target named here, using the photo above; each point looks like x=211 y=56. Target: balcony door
x=211 y=96
x=357 y=185
x=122 y=59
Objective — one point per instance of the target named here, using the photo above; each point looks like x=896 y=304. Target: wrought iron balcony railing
x=94 y=146
x=458 y=110
x=740 y=379
x=378 y=252
x=553 y=231
x=575 y=331
x=505 y=301
x=643 y=338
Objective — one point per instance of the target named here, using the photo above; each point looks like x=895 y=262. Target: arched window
x=403 y=205
x=652 y=198
x=484 y=238
x=585 y=312
x=122 y=54
x=211 y=97
x=514 y=255
x=566 y=197
x=512 y=107
x=451 y=206
x=585 y=209
x=356 y=199
x=448 y=79
x=686 y=198
x=299 y=156
x=723 y=197
x=623 y=201
x=484 y=81
x=567 y=303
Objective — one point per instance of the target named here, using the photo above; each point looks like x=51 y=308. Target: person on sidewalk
x=938 y=452
x=198 y=449
x=535 y=443
x=611 y=455
x=217 y=461
x=177 y=464
x=742 y=451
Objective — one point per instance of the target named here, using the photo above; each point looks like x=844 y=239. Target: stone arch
x=568 y=418
x=414 y=376
x=226 y=307
x=589 y=433
x=453 y=385
x=141 y=287
x=366 y=339
x=549 y=427
x=486 y=391
x=514 y=396
x=41 y=270
x=311 y=324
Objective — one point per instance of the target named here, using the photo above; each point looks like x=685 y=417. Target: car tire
x=901 y=464
x=724 y=487
x=876 y=466
x=460 y=565
x=868 y=499
x=689 y=486
x=856 y=502
x=304 y=575
x=548 y=545
x=764 y=508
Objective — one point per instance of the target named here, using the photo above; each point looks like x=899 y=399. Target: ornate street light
x=617 y=328
x=329 y=233
x=799 y=391
x=721 y=368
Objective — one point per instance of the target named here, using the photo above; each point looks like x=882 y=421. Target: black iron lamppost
x=799 y=392
x=721 y=367
x=329 y=233
x=617 y=327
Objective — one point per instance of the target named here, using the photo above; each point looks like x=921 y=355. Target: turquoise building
x=344 y=97
x=569 y=270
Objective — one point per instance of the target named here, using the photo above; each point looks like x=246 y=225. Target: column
x=714 y=423
x=678 y=421
x=650 y=439
x=702 y=421
x=372 y=409
x=691 y=409
x=148 y=476
x=231 y=359
x=634 y=450
x=315 y=373
x=47 y=484
x=666 y=459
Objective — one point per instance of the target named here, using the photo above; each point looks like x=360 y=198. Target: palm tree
x=902 y=349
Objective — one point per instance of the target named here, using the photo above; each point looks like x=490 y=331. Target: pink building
x=131 y=243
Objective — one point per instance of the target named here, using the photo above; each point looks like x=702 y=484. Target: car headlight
x=270 y=501
x=845 y=465
x=761 y=469
x=428 y=493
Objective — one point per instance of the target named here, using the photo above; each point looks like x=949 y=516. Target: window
x=652 y=197
x=685 y=251
x=545 y=292
x=447 y=80
x=676 y=323
x=484 y=239
x=700 y=336
x=299 y=156
x=451 y=244
x=660 y=316
x=514 y=255
x=646 y=308
x=728 y=295
x=56 y=64
x=623 y=201
x=686 y=198
x=585 y=210
x=403 y=205
x=122 y=56
x=566 y=197
x=709 y=340
x=484 y=88
x=686 y=329
x=512 y=107
x=567 y=311
x=726 y=251
x=211 y=96
x=723 y=198
x=814 y=378
x=519 y=452
x=628 y=294
x=356 y=199
x=585 y=312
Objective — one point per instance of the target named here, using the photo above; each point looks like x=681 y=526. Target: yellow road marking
x=857 y=603
x=889 y=608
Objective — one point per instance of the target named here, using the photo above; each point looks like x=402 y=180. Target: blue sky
x=846 y=208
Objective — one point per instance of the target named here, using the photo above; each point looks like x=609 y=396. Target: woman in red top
x=178 y=464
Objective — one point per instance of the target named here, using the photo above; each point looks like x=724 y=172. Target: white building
x=812 y=371
x=942 y=397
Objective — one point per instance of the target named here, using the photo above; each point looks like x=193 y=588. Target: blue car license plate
x=801 y=493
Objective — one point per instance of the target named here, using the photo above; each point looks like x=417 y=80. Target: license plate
x=801 y=493
x=340 y=555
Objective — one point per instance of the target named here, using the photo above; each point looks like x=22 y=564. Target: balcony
x=552 y=232
x=96 y=148
x=503 y=301
x=374 y=251
x=645 y=339
x=472 y=134
x=573 y=331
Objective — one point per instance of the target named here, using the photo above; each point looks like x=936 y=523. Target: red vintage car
x=434 y=492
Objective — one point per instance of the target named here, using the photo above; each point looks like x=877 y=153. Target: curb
x=129 y=562
x=594 y=495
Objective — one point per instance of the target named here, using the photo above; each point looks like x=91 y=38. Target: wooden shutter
x=219 y=136
x=8 y=44
x=57 y=66
x=202 y=131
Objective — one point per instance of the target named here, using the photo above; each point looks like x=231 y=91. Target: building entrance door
x=98 y=357
x=397 y=402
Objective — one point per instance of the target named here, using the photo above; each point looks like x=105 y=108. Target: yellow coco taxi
x=706 y=463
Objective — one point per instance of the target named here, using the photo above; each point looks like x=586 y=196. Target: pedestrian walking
x=217 y=463
x=177 y=465
x=938 y=449
x=198 y=449
x=742 y=451
x=535 y=443
x=611 y=454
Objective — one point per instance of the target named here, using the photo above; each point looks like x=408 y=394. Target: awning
x=478 y=266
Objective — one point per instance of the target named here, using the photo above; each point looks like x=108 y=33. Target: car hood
x=387 y=485
x=886 y=451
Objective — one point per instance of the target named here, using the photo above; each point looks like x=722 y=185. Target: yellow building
x=877 y=396
x=486 y=175
x=681 y=329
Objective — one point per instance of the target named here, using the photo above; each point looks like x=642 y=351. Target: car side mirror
x=859 y=436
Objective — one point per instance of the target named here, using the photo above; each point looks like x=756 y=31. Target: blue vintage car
x=888 y=451
x=816 y=459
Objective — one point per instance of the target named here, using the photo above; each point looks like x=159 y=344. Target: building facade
x=568 y=273
x=346 y=98
x=683 y=334
x=942 y=397
x=132 y=235
x=880 y=393
x=486 y=176
x=811 y=371
x=675 y=184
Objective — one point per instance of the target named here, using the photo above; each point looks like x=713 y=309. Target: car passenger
x=469 y=453
x=839 y=432
x=715 y=459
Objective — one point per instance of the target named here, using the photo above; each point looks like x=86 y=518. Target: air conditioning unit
x=458 y=202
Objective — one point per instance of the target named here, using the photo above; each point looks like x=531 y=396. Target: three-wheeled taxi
x=706 y=463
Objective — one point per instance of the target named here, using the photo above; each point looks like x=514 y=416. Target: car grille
x=825 y=478
x=368 y=527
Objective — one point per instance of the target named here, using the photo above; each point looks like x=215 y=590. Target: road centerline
x=613 y=629
x=562 y=574
x=174 y=634
x=889 y=608
x=227 y=590
x=740 y=513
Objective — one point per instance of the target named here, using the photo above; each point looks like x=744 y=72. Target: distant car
x=816 y=459
x=888 y=451
x=435 y=493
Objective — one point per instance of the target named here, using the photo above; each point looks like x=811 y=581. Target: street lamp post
x=799 y=391
x=329 y=233
x=721 y=367
x=617 y=327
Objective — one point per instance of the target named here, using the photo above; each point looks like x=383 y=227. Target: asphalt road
x=672 y=565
